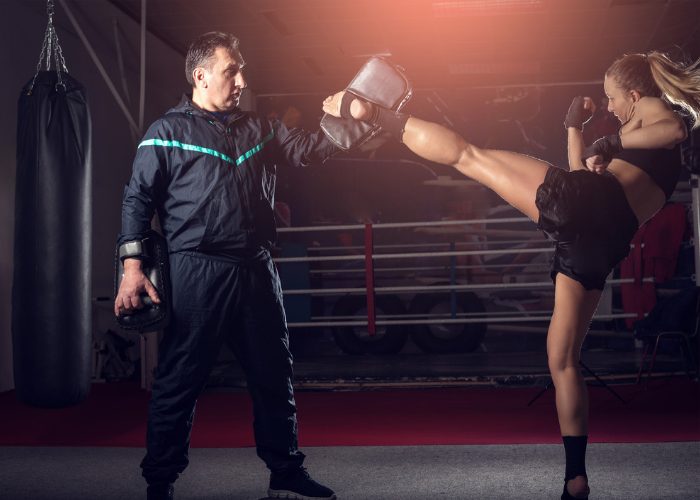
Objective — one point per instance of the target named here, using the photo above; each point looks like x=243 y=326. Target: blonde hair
x=655 y=74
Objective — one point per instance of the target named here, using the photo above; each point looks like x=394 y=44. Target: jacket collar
x=188 y=107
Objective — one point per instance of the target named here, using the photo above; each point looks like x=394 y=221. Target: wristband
x=132 y=250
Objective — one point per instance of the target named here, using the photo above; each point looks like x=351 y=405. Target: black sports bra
x=662 y=165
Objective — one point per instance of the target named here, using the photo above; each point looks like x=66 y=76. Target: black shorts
x=589 y=218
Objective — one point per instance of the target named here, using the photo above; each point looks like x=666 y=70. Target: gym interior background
x=502 y=73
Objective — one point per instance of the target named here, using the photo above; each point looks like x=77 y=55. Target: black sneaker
x=297 y=484
x=160 y=491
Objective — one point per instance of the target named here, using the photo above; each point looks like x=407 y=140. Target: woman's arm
x=580 y=111
x=575 y=146
x=660 y=127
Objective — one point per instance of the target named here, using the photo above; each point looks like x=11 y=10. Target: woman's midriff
x=644 y=196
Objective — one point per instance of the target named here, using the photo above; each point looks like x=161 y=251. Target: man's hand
x=359 y=109
x=133 y=285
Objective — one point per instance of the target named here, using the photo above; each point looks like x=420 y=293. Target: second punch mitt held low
x=153 y=253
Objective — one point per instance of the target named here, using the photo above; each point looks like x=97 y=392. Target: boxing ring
x=372 y=263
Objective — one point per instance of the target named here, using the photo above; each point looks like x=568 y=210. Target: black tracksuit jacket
x=213 y=183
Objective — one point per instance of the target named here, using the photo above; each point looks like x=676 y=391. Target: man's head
x=213 y=67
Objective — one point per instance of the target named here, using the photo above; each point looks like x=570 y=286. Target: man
x=208 y=170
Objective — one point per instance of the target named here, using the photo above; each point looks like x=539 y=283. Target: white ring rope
x=448 y=321
x=441 y=288
x=398 y=225
x=382 y=256
x=428 y=319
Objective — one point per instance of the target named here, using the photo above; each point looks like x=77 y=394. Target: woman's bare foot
x=359 y=109
x=578 y=487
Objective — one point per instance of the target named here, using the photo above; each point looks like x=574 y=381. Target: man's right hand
x=134 y=284
x=359 y=109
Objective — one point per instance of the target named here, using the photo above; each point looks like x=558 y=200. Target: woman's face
x=620 y=102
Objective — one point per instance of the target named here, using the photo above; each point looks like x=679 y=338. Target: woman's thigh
x=514 y=177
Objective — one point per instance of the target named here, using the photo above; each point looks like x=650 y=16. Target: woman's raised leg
x=514 y=177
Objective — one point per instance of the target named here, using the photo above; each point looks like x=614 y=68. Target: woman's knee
x=561 y=360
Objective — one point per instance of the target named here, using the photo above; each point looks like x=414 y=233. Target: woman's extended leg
x=573 y=309
x=514 y=177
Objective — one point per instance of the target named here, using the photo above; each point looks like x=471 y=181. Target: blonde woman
x=591 y=212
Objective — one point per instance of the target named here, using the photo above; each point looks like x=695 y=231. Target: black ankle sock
x=391 y=122
x=575 y=449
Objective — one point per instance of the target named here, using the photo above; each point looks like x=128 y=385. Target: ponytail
x=655 y=74
x=679 y=84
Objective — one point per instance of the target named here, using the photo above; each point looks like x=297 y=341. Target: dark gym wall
x=22 y=26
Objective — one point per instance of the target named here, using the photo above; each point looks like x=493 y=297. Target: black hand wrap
x=577 y=114
x=606 y=147
x=379 y=82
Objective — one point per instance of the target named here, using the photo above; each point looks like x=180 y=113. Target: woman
x=591 y=212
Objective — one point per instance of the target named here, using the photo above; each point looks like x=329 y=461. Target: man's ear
x=199 y=77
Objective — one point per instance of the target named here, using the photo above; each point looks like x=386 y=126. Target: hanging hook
x=50 y=48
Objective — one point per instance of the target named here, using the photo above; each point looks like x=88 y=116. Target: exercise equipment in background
x=51 y=306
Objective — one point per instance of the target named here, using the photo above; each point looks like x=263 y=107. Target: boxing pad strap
x=132 y=249
x=345 y=103
x=378 y=81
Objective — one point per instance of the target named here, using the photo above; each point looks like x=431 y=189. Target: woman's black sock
x=575 y=449
x=391 y=122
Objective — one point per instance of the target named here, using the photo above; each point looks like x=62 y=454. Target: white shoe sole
x=290 y=495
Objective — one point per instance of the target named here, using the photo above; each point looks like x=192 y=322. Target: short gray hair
x=202 y=49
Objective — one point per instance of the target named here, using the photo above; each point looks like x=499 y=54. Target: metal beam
x=100 y=67
x=142 y=92
x=695 y=207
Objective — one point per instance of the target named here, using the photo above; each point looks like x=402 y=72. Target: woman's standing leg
x=574 y=307
x=516 y=178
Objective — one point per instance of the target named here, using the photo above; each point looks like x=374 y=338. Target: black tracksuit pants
x=237 y=300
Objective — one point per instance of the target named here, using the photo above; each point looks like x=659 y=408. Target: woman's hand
x=597 y=164
x=597 y=156
x=580 y=111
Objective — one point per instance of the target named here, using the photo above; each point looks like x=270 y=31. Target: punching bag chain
x=50 y=48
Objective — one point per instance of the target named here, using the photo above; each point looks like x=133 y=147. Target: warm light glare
x=450 y=8
x=515 y=68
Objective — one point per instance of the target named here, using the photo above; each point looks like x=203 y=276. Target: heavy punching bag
x=51 y=305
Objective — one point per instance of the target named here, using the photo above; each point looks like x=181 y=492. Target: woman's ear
x=635 y=95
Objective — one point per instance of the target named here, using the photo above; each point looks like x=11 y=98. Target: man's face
x=221 y=85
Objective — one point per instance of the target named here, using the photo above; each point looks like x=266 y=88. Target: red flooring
x=115 y=415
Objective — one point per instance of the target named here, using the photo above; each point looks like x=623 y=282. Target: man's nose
x=241 y=81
